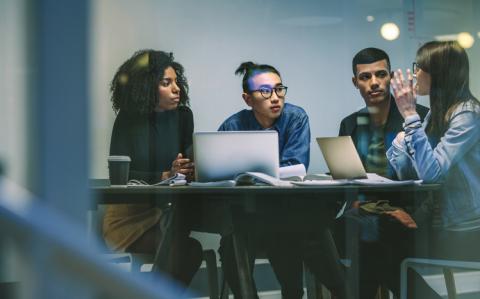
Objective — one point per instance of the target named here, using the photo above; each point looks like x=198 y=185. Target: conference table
x=242 y=210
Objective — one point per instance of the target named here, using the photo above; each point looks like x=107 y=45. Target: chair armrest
x=446 y=265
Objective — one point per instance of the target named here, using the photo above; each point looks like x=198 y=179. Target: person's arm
x=400 y=160
x=432 y=164
x=120 y=141
x=121 y=144
x=343 y=130
x=297 y=147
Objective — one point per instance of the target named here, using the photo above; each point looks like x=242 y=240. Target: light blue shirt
x=454 y=162
x=293 y=132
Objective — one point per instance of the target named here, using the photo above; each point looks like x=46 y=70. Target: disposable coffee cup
x=118 y=169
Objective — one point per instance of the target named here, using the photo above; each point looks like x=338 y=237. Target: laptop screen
x=341 y=157
x=223 y=155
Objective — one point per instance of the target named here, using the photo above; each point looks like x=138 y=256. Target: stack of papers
x=372 y=179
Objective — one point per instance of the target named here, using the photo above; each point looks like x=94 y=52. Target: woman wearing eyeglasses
x=154 y=128
x=445 y=148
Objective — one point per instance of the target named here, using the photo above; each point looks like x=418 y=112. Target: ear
x=247 y=98
x=354 y=81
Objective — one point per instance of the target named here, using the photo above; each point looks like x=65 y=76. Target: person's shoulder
x=471 y=105
x=234 y=121
x=125 y=117
x=184 y=110
x=352 y=117
x=291 y=110
x=185 y=113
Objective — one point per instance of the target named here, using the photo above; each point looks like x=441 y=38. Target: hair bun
x=245 y=67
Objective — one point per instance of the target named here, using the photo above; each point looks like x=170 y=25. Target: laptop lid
x=342 y=157
x=223 y=155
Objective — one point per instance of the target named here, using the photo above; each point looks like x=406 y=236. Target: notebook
x=224 y=155
x=342 y=157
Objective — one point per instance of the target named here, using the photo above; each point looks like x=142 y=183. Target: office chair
x=459 y=277
x=136 y=262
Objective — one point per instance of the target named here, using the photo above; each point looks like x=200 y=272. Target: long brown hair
x=447 y=63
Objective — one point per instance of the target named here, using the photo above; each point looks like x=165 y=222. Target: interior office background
x=310 y=42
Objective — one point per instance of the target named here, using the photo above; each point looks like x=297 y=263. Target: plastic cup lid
x=119 y=158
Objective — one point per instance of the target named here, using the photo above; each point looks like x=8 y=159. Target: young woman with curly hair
x=154 y=127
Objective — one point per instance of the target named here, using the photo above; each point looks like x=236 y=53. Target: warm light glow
x=465 y=40
x=390 y=31
x=370 y=19
x=446 y=37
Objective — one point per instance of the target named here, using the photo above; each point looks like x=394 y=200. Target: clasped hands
x=182 y=165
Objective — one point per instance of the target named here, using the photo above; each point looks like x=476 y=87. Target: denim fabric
x=454 y=162
x=293 y=132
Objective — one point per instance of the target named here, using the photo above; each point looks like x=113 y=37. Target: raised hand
x=404 y=92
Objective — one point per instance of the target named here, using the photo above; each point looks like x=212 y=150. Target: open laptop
x=223 y=155
x=342 y=157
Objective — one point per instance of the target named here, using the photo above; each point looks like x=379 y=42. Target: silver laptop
x=224 y=155
x=342 y=157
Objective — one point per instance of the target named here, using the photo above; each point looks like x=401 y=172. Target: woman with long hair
x=445 y=148
x=154 y=127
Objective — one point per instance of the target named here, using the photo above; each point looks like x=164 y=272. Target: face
x=424 y=80
x=266 y=111
x=168 y=91
x=373 y=82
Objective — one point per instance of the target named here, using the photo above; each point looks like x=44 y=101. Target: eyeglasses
x=414 y=69
x=267 y=92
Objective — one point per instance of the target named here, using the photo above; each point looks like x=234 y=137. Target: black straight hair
x=249 y=69
x=367 y=56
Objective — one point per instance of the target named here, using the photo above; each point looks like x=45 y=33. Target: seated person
x=264 y=92
x=444 y=149
x=154 y=128
x=372 y=129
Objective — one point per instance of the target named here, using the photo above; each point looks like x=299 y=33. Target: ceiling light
x=390 y=31
x=465 y=40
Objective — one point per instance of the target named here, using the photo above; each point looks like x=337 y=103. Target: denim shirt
x=293 y=132
x=454 y=162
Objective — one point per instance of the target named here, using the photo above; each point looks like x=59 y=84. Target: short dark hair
x=249 y=69
x=367 y=56
x=134 y=87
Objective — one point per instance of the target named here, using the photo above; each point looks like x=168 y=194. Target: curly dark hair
x=134 y=87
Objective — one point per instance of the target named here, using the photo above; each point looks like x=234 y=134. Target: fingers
x=410 y=83
x=179 y=164
x=400 y=76
x=186 y=171
x=397 y=83
x=400 y=137
x=410 y=78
